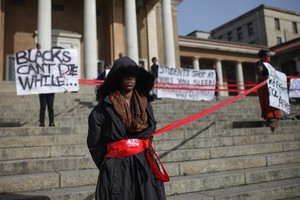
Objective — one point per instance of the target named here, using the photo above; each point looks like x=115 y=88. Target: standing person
x=217 y=83
x=154 y=71
x=154 y=67
x=268 y=112
x=119 y=136
x=107 y=68
x=46 y=99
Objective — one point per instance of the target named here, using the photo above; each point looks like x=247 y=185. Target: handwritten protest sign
x=278 y=92
x=180 y=83
x=294 y=88
x=46 y=71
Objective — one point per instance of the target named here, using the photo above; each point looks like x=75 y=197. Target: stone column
x=44 y=24
x=131 y=30
x=152 y=34
x=168 y=35
x=218 y=65
x=90 y=39
x=297 y=60
x=2 y=15
x=196 y=63
x=240 y=77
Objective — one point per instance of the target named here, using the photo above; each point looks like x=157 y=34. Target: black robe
x=123 y=178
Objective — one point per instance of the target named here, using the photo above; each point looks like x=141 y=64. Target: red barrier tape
x=207 y=111
x=90 y=82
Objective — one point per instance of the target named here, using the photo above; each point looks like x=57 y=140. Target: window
x=10 y=67
x=58 y=7
x=279 y=40
x=240 y=33
x=229 y=35
x=277 y=24
x=221 y=37
x=250 y=29
x=295 y=28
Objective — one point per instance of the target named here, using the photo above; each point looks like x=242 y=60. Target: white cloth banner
x=179 y=83
x=278 y=91
x=294 y=88
x=46 y=71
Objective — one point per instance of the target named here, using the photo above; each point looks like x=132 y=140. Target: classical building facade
x=99 y=29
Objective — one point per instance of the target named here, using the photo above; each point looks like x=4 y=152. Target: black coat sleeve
x=95 y=141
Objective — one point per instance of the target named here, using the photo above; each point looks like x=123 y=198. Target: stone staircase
x=225 y=155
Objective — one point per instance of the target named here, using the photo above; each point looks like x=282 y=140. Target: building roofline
x=287 y=46
x=186 y=41
x=198 y=31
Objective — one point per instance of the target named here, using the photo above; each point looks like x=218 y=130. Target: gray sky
x=206 y=15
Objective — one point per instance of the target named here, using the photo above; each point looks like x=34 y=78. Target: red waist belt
x=129 y=147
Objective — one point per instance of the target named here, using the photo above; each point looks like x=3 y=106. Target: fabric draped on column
x=90 y=40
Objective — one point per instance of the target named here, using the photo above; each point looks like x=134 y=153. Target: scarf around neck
x=134 y=117
x=265 y=60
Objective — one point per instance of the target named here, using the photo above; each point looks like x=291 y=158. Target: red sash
x=129 y=147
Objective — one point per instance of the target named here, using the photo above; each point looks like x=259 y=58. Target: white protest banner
x=278 y=92
x=180 y=83
x=46 y=71
x=294 y=88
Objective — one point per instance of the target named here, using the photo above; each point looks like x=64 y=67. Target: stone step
x=177 y=138
x=43 y=151
x=231 y=163
x=37 y=141
x=72 y=193
x=8 y=106
x=48 y=180
x=38 y=146
x=28 y=166
x=200 y=153
x=79 y=115
x=41 y=131
x=64 y=118
x=221 y=130
x=283 y=189
x=82 y=121
x=173 y=138
x=227 y=179
x=74 y=178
